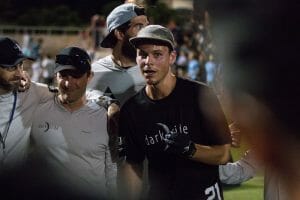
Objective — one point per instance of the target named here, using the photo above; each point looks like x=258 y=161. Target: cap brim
x=59 y=68
x=106 y=42
x=136 y=41
x=17 y=61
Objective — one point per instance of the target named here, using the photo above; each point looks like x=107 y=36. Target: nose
x=68 y=80
x=147 y=59
x=19 y=70
x=67 y=83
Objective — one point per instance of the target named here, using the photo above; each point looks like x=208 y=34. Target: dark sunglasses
x=73 y=73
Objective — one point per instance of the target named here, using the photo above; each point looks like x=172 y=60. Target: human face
x=155 y=62
x=136 y=24
x=71 y=85
x=10 y=77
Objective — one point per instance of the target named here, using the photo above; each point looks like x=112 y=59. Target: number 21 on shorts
x=213 y=192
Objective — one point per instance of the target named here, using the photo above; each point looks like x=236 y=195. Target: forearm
x=132 y=180
x=110 y=174
x=214 y=155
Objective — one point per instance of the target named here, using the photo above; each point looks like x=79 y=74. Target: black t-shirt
x=191 y=109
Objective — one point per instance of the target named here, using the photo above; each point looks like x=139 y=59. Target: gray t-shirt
x=74 y=146
x=115 y=81
x=17 y=140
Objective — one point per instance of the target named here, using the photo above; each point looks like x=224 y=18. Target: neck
x=120 y=59
x=162 y=89
x=72 y=106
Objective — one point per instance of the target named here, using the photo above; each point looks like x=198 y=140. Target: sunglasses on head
x=70 y=72
x=74 y=60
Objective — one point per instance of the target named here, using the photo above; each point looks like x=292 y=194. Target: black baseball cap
x=11 y=53
x=73 y=58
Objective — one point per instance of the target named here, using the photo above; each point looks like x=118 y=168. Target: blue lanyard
x=3 y=137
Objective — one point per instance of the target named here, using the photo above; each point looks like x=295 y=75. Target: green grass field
x=250 y=190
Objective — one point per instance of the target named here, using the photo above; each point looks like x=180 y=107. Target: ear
x=91 y=75
x=118 y=34
x=173 y=56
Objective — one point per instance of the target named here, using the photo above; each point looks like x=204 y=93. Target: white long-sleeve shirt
x=239 y=171
x=245 y=169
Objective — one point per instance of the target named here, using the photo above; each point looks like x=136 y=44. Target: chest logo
x=46 y=127
x=159 y=135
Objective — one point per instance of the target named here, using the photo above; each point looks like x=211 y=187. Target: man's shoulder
x=136 y=99
x=188 y=84
x=103 y=64
x=36 y=92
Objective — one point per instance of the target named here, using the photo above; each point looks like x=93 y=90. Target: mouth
x=16 y=81
x=148 y=73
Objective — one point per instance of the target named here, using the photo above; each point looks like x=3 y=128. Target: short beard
x=6 y=86
x=128 y=50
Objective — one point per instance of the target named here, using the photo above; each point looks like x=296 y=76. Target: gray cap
x=119 y=16
x=154 y=33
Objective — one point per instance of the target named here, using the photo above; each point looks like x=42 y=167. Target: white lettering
x=185 y=129
x=151 y=139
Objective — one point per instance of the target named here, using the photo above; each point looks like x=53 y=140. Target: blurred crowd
x=195 y=49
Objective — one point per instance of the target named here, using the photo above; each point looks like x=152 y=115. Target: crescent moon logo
x=46 y=126
x=166 y=130
x=165 y=127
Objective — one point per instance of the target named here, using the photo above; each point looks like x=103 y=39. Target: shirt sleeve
x=215 y=121
x=41 y=91
x=239 y=171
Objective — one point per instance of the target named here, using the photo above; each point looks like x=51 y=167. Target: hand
x=180 y=143
x=235 y=135
x=25 y=82
x=113 y=113
x=106 y=101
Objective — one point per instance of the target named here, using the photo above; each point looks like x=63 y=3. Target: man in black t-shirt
x=177 y=124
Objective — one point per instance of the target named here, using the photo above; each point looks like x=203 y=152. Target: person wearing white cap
x=117 y=75
x=71 y=141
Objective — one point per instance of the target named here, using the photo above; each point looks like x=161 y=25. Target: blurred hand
x=235 y=135
x=25 y=82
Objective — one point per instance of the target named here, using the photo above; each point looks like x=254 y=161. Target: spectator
x=48 y=65
x=193 y=66
x=117 y=75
